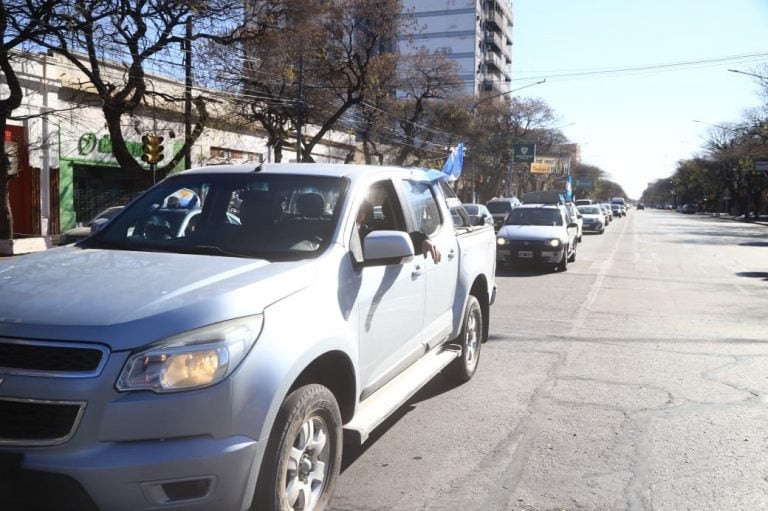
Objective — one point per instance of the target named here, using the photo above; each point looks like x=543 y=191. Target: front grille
x=51 y=359
x=528 y=245
x=38 y=422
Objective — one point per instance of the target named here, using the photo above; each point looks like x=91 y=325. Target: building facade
x=477 y=35
x=61 y=150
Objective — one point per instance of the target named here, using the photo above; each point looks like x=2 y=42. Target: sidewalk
x=761 y=220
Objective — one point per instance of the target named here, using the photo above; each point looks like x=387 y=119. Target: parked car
x=216 y=370
x=594 y=220
x=606 y=209
x=689 y=209
x=477 y=212
x=575 y=216
x=80 y=233
x=500 y=208
x=538 y=233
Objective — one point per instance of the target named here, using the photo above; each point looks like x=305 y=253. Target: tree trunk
x=7 y=106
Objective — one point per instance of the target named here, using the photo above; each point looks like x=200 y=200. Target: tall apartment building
x=476 y=33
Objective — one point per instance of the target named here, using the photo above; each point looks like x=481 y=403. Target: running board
x=382 y=403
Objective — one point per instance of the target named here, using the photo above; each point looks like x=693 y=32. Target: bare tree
x=20 y=22
x=497 y=125
x=318 y=62
x=115 y=43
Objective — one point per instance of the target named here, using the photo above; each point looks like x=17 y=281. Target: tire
x=563 y=265
x=573 y=254
x=470 y=339
x=303 y=456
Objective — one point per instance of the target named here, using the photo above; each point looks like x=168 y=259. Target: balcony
x=495 y=41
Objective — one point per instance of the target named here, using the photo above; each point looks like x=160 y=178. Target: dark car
x=640 y=205
x=80 y=233
x=500 y=208
x=688 y=209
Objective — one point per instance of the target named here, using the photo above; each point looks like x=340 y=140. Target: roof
x=316 y=169
x=528 y=205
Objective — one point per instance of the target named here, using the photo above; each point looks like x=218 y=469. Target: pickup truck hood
x=532 y=232
x=91 y=294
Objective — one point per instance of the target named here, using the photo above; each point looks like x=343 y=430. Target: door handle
x=451 y=254
x=417 y=271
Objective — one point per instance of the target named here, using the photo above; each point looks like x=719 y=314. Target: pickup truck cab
x=216 y=367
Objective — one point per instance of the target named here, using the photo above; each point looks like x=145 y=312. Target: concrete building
x=476 y=33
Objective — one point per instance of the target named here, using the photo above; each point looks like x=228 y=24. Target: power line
x=652 y=67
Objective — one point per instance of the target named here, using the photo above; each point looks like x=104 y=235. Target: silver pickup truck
x=212 y=346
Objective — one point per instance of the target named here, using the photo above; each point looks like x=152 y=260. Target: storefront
x=91 y=180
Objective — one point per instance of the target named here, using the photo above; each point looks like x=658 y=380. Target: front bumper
x=531 y=254
x=196 y=474
x=594 y=227
x=127 y=451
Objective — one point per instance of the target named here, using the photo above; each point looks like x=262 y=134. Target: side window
x=421 y=199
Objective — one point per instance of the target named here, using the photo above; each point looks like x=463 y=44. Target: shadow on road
x=754 y=275
x=439 y=385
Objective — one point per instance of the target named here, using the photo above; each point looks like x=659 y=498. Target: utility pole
x=300 y=107
x=188 y=93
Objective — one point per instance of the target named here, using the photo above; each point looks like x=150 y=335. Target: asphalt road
x=636 y=380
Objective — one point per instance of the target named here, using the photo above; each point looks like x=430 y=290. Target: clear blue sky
x=637 y=125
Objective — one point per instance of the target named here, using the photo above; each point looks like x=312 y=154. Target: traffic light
x=152 y=148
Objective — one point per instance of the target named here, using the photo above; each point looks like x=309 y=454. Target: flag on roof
x=454 y=163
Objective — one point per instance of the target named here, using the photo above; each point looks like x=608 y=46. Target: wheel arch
x=335 y=371
x=479 y=290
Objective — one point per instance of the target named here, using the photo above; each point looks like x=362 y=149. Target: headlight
x=554 y=243
x=502 y=241
x=192 y=360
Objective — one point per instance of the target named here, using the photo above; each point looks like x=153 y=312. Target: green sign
x=525 y=153
x=90 y=146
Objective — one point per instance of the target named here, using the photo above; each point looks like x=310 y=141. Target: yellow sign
x=550 y=165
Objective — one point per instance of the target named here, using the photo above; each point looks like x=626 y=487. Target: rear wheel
x=470 y=339
x=303 y=455
x=573 y=254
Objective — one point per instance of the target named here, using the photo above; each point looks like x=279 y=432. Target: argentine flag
x=454 y=163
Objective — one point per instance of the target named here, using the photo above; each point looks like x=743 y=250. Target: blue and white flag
x=454 y=163
x=569 y=189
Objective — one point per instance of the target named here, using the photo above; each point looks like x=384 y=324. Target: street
x=636 y=380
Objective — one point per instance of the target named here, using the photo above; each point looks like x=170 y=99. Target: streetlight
x=506 y=92
x=764 y=78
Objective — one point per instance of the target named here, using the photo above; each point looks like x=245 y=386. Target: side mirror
x=387 y=247
x=573 y=225
x=97 y=224
x=482 y=219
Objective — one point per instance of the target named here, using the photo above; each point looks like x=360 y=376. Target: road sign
x=525 y=152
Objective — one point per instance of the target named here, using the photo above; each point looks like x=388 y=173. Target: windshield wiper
x=212 y=250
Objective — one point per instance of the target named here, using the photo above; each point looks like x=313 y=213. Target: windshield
x=589 y=210
x=534 y=216
x=275 y=217
x=497 y=208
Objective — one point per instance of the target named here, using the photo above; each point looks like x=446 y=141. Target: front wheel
x=303 y=455
x=470 y=339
